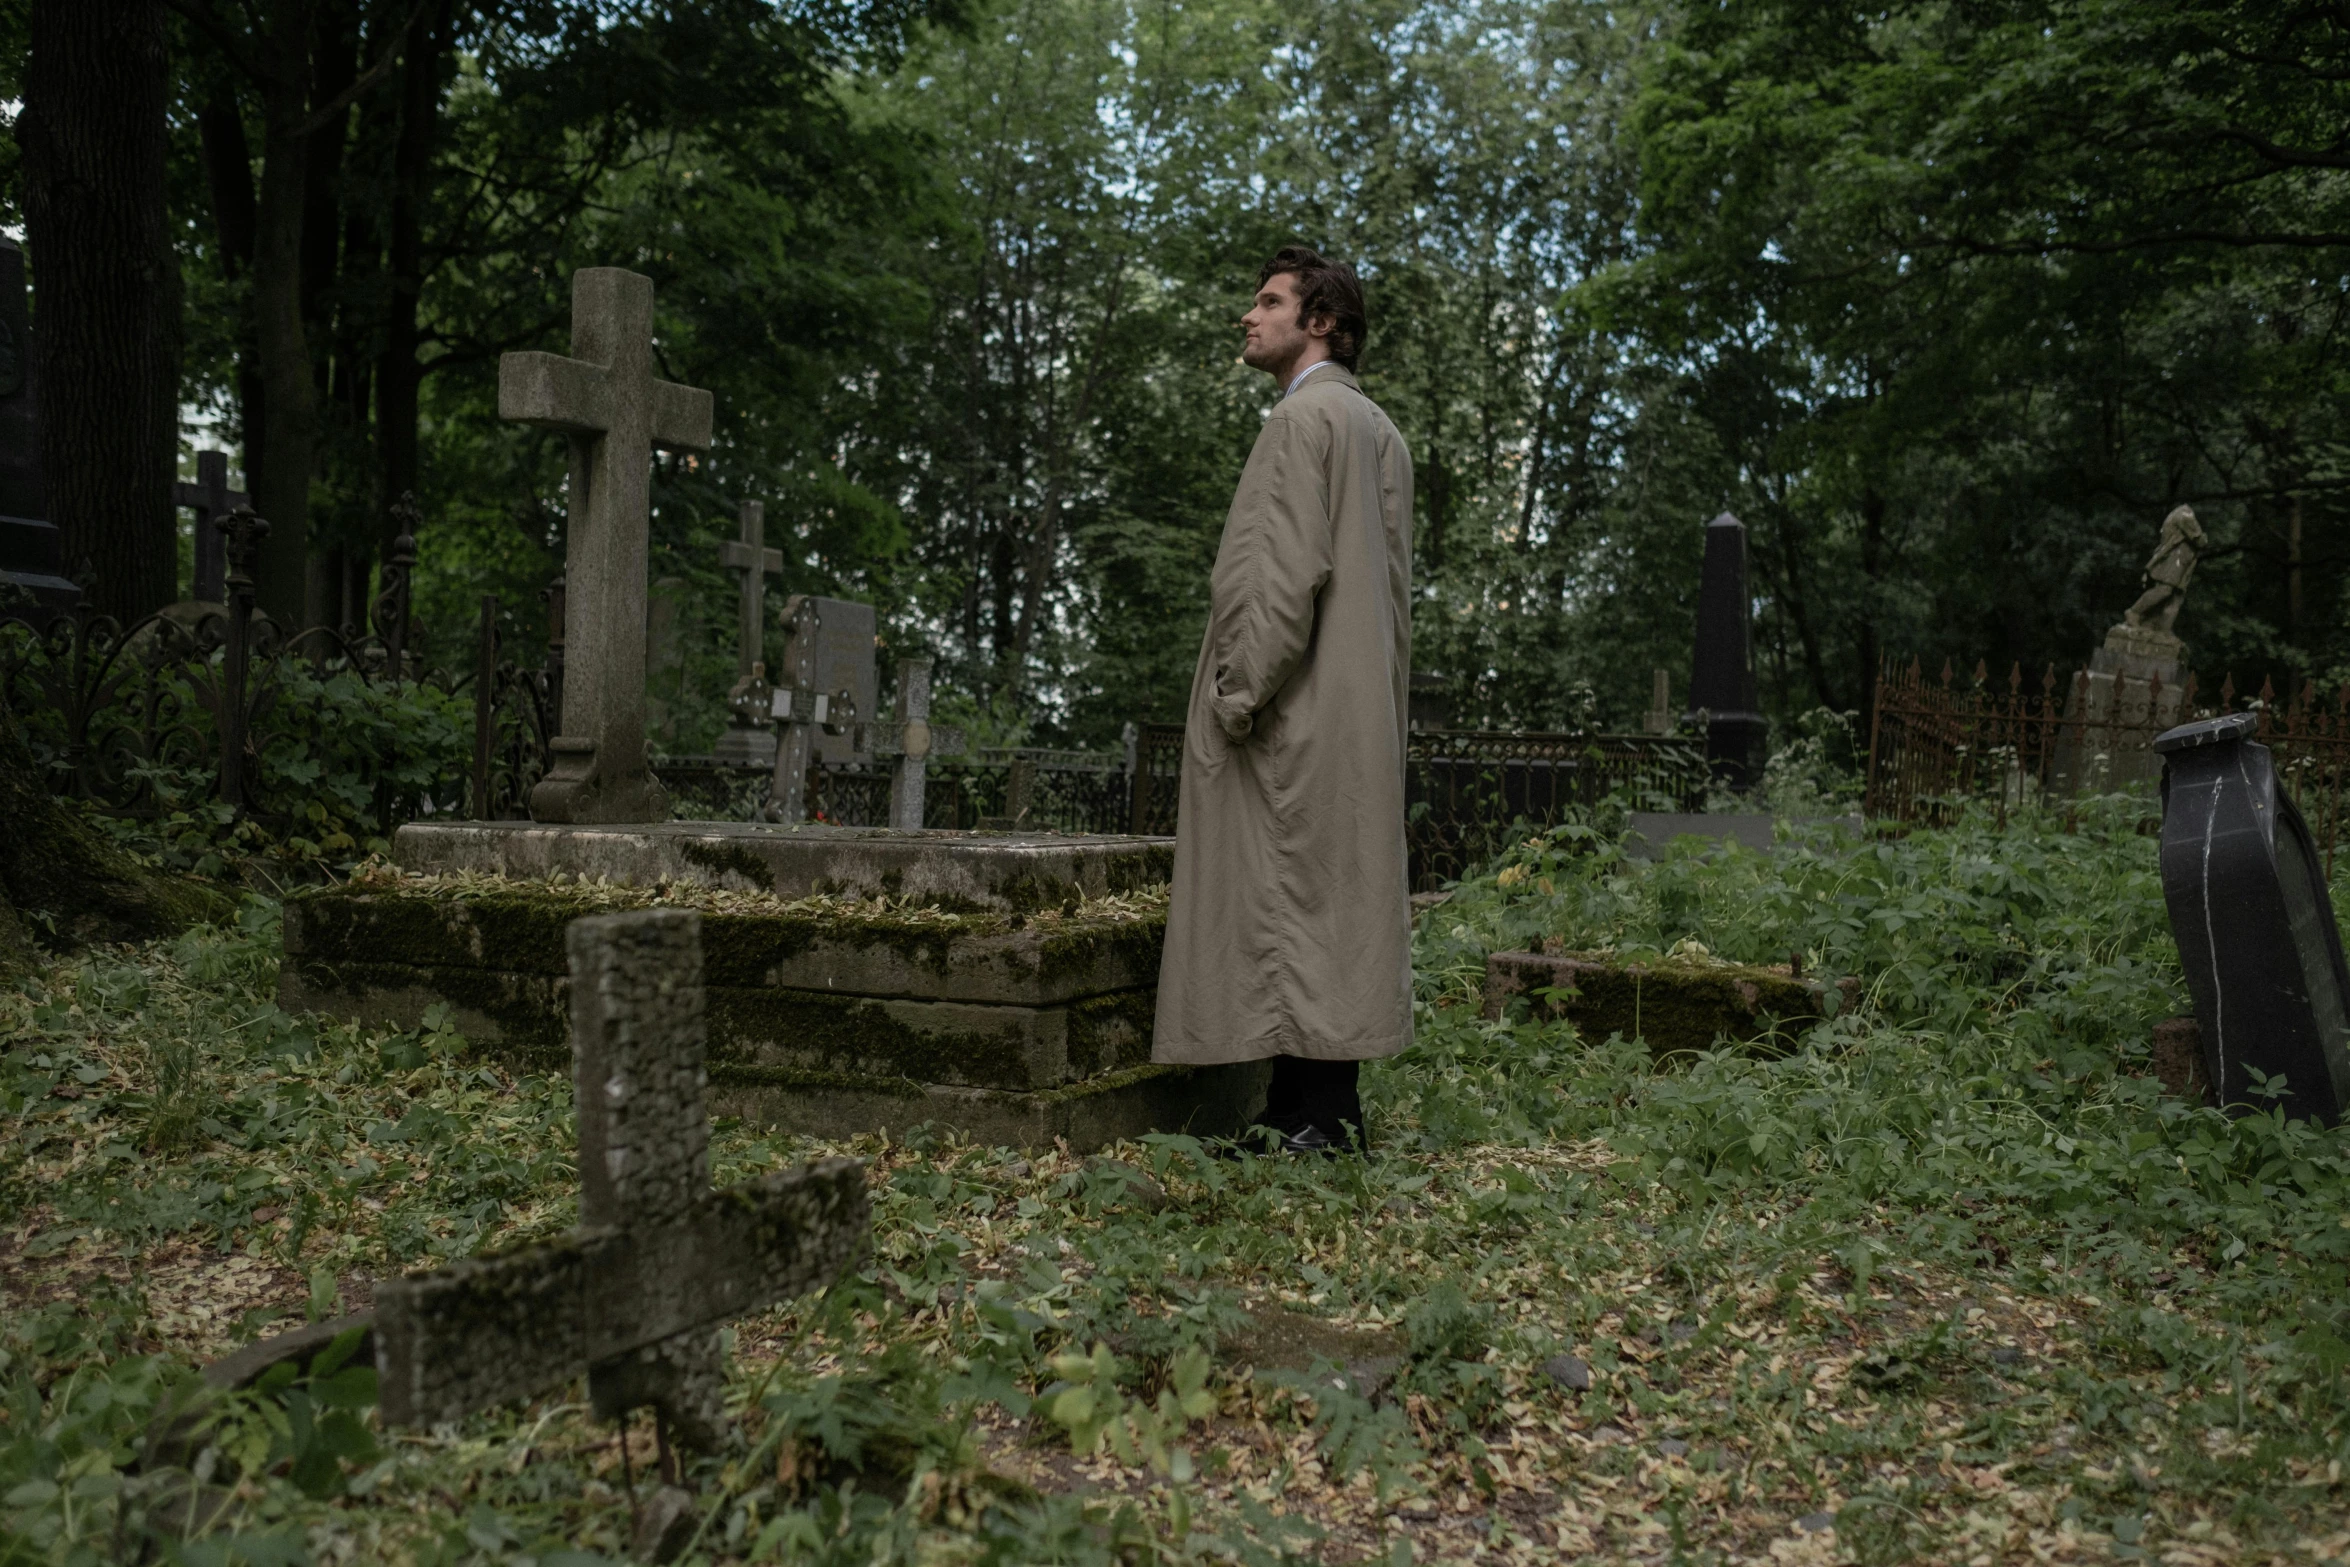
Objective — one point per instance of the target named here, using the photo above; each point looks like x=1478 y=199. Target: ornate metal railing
x=205 y=703
x=1937 y=743
x=1467 y=791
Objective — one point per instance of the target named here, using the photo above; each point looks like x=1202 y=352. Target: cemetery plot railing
x=1467 y=791
x=1939 y=741
x=204 y=703
x=959 y=795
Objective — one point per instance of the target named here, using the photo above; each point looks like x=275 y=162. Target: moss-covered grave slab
x=826 y=1013
x=1677 y=1004
x=1011 y=873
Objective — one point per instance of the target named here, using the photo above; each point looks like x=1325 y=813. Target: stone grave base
x=1012 y=873
x=1216 y=1101
x=827 y=1015
x=1677 y=1005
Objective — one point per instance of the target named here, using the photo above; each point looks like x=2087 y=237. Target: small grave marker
x=913 y=740
x=1721 y=679
x=635 y=1294
x=747 y=739
x=824 y=693
x=210 y=499
x=2248 y=903
x=607 y=399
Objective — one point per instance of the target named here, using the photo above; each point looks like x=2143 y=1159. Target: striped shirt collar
x=1298 y=380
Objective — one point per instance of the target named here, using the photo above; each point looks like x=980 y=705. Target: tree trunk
x=228 y=170
x=106 y=291
x=290 y=432
x=399 y=377
x=63 y=883
x=336 y=64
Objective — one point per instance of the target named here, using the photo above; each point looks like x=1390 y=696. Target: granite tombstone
x=2246 y=890
x=1721 y=678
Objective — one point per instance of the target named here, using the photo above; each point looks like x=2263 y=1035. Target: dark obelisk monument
x=31 y=560
x=2255 y=926
x=1721 y=685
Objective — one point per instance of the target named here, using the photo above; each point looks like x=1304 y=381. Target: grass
x=1950 y=1279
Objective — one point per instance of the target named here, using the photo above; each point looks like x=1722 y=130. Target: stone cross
x=1721 y=681
x=2246 y=889
x=823 y=699
x=1659 y=719
x=210 y=499
x=913 y=740
x=748 y=740
x=607 y=399
x=1019 y=799
x=634 y=1296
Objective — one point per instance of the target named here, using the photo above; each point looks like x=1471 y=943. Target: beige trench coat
x=1290 y=932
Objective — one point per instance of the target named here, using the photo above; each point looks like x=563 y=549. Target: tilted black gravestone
x=1721 y=681
x=2255 y=925
x=633 y=1296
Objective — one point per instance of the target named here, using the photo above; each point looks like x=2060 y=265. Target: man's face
x=1277 y=340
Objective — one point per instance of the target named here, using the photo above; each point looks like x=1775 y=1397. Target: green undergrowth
x=1948 y=1279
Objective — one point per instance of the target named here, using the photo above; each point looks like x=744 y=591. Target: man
x=1290 y=932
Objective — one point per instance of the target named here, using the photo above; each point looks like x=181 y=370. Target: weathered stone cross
x=210 y=499
x=634 y=1295
x=606 y=398
x=747 y=739
x=913 y=740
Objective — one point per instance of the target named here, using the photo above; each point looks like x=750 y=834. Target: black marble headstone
x=2255 y=925
x=32 y=568
x=1721 y=685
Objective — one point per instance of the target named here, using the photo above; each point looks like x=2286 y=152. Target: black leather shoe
x=1313 y=1139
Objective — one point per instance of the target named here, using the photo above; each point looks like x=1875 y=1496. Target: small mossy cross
x=634 y=1295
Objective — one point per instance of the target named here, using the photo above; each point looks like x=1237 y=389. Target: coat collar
x=1329 y=370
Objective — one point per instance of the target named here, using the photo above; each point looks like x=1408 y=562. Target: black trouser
x=1320 y=1094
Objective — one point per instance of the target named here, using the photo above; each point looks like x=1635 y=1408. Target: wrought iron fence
x=1937 y=743
x=1466 y=792
x=1085 y=798
x=211 y=702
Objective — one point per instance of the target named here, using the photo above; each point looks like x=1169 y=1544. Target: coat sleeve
x=1272 y=571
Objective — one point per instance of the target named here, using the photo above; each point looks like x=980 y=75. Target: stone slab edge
x=963 y=871
x=1675 y=1007
x=1204 y=1101
x=1035 y=965
x=524 y=1018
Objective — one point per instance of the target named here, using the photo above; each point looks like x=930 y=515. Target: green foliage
x=1952 y=1230
x=333 y=752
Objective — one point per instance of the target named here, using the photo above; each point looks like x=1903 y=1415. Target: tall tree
x=107 y=290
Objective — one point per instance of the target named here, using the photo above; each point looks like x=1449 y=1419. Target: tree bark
x=64 y=884
x=335 y=64
x=228 y=170
x=106 y=291
x=290 y=430
x=399 y=376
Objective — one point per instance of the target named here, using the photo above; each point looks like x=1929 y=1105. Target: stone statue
x=2167 y=575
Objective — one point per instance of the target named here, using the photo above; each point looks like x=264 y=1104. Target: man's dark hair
x=1324 y=288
